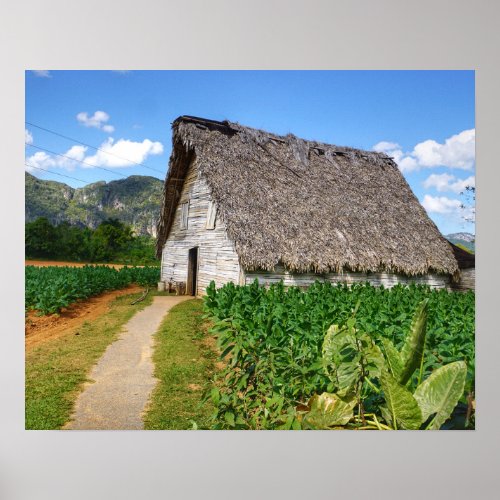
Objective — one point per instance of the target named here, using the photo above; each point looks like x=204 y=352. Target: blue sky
x=424 y=119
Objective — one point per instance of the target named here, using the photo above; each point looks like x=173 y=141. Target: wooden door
x=192 y=278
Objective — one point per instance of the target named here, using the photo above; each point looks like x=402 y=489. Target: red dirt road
x=46 y=263
x=39 y=329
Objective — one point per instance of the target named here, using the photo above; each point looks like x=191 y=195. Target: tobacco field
x=295 y=359
x=49 y=289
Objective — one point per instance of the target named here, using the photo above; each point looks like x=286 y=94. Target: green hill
x=135 y=201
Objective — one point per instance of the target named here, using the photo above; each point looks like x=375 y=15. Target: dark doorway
x=192 y=271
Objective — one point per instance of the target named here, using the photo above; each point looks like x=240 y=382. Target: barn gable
x=303 y=206
x=197 y=249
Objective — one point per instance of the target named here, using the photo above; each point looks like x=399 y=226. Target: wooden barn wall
x=217 y=258
x=467 y=280
x=307 y=279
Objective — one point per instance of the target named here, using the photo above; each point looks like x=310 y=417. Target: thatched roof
x=306 y=205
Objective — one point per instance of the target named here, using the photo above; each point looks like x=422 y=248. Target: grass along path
x=56 y=371
x=184 y=359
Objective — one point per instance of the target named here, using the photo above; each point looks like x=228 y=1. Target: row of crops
x=286 y=365
x=49 y=289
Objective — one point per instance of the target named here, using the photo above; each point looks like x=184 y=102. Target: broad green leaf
x=373 y=359
x=229 y=416
x=402 y=405
x=215 y=395
x=341 y=358
x=328 y=410
x=347 y=355
x=347 y=376
x=393 y=358
x=440 y=393
x=413 y=348
x=329 y=347
x=386 y=414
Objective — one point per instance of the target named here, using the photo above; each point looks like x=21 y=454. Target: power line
x=93 y=147
x=74 y=159
x=50 y=172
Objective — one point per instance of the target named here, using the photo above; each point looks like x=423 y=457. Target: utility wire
x=50 y=172
x=93 y=147
x=73 y=159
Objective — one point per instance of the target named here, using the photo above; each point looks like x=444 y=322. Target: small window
x=211 y=214
x=184 y=215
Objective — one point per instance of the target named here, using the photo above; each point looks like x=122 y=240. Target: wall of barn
x=467 y=280
x=376 y=279
x=217 y=258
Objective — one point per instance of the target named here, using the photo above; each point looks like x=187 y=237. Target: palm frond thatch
x=303 y=204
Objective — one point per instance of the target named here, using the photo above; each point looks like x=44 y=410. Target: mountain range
x=135 y=201
x=468 y=240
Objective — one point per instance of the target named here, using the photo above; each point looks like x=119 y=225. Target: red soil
x=45 y=263
x=39 y=329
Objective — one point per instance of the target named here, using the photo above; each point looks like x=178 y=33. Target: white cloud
x=98 y=120
x=39 y=160
x=42 y=73
x=112 y=154
x=28 y=136
x=440 y=204
x=452 y=209
x=384 y=146
x=72 y=157
x=458 y=151
x=69 y=161
x=137 y=152
x=448 y=182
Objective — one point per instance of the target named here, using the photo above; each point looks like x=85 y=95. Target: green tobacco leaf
x=229 y=416
x=348 y=355
x=393 y=358
x=328 y=410
x=402 y=405
x=341 y=358
x=441 y=392
x=413 y=348
x=386 y=414
x=373 y=359
x=329 y=347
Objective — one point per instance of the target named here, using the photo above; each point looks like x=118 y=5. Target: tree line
x=111 y=241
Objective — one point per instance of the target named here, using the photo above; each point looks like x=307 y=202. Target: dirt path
x=123 y=377
x=39 y=329
x=58 y=263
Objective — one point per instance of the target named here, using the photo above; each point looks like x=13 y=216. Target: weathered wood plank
x=376 y=279
x=467 y=280
x=217 y=258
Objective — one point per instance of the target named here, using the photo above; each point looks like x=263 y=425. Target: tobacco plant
x=49 y=289
x=354 y=362
x=271 y=340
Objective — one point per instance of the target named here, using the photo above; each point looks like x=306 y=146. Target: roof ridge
x=236 y=127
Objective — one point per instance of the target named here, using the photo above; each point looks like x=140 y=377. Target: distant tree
x=73 y=242
x=40 y=238
x=140 y=250
x=110 y=237
x=469 y=207
x=112 y=241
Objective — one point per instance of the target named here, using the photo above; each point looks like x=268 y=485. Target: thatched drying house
x=241 y=204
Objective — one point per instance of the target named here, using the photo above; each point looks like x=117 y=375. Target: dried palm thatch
x=306 y=205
